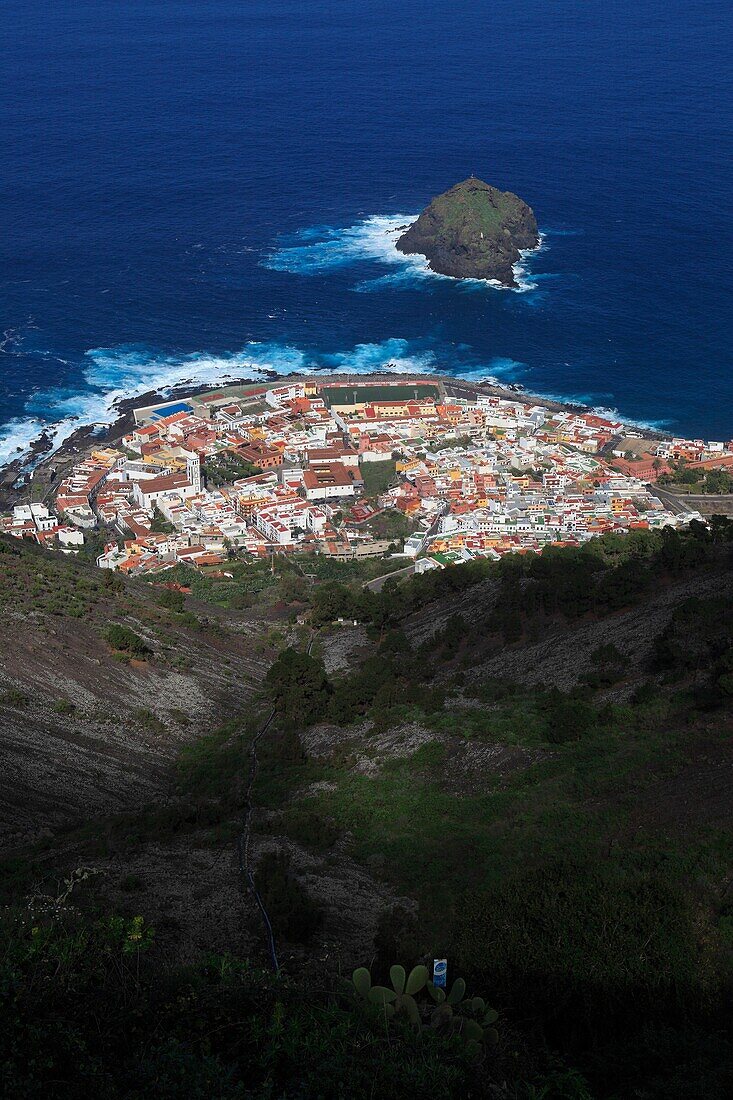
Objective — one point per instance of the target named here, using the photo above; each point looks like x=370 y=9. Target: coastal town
x=418 y=468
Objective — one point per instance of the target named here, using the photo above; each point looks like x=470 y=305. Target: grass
x=378 y=476
x=146 y=719
x=475 y=211
x=250 y=583
x=435 y=843
x=45 y=584
x=14 y=697
x=214 y=767
x=391 y=524
x=354 y=394
x=306 y=826
x=516 y=723
x=348 y=572
x=548 y=879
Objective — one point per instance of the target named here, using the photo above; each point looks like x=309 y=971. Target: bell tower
x=193 y=470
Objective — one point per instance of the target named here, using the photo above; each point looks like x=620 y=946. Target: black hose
x=243 y=845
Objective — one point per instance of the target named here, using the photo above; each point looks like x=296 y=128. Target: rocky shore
x=34 y=474
x=473 y=231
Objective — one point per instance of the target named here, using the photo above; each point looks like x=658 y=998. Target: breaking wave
x=596 y=403
x=374 y=239
x=114 y=375
x=322 y=248
x=17 y=436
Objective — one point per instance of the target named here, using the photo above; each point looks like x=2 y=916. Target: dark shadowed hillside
x=525 y=767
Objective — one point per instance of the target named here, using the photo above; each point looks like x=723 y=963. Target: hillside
x=525 y=767
x=90 y=728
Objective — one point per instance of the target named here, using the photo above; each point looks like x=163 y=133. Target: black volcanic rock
x=473 y=231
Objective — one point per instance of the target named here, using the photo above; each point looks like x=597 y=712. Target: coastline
x=18 y=475
x=33 y=473
x=17 y=478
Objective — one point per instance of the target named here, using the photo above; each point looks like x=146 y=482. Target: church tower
x=193 y=470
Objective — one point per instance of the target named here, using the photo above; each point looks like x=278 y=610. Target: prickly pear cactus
x=467 y=1018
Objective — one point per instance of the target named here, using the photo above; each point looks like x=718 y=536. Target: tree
x=294 y=915
x=686 y=476
x=717 y=482
x=566 y=718
x=332 y=600
x=300 y=687
x=721 y=528
x=293 y=589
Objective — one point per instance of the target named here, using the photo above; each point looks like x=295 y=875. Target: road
x=378 y=583
x=708 y=505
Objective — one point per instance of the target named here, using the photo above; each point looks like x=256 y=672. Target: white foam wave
x=17 y=436
x=594 y=403
x=521 y=269
x=113 y=375
x=321 y=248
x=502 y=365
x=393 y=354
x=129 y=372
x=631 y=421
x=324 y=248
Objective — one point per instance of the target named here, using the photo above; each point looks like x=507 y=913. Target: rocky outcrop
x=473 y=231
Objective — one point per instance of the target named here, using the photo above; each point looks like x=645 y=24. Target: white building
x=70 y=536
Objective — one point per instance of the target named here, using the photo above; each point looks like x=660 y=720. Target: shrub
x=644 y=693
x=64 y=706
x=309 y=828
x=125 y=640
x=294 y=915
x=187 y=618
x=14 y=697
x=566 y=718
x=88 y=1011
x=148 y=720
x=286 y=747
x=171 y=599
x=299 y=686
x=607 y=666
x=131 y=884
x=398 y=936
x=593 y=946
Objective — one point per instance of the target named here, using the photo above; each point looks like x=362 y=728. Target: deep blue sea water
x=189 y=187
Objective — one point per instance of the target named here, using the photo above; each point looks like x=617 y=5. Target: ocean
x=193 y=191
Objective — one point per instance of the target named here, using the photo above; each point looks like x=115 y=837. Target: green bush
x=89 y=1009
x=63 y=706
x=213 y=766
x=299 y=686
x=566 y=717
x=148 y=720
x=592 y=948
x=294 y=915
x=126 y=641
x=398 y=936
x=607 y=666
x=14 y=697
x=306 y=826
x=171 y=599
